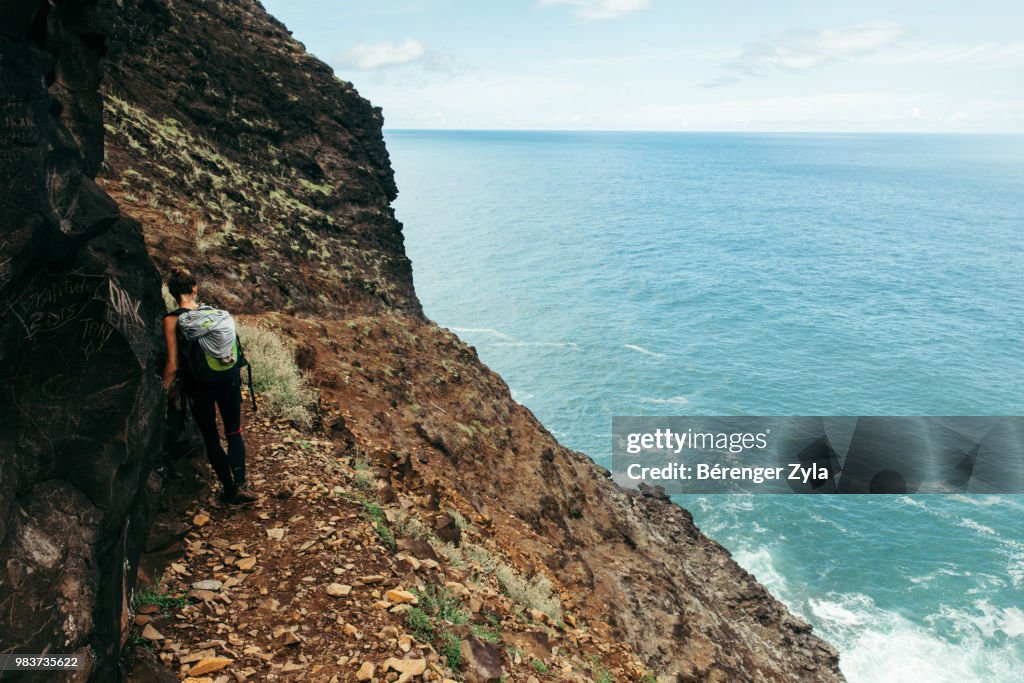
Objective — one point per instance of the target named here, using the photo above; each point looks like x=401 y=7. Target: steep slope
x=242 y=154
x=334 y=572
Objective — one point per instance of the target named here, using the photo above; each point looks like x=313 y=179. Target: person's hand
x=173 y=389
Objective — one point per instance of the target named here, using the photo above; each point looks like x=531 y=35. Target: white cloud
x=981 y=54
x=598 y=10
x=802 y=49
x=369 y=56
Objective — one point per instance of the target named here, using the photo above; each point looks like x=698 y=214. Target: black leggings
x=230 y=466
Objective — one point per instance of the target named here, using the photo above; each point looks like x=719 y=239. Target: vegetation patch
x=438 y=609
x=536 y=593
x=152 y=595
x=375 y=515
x=281 y=389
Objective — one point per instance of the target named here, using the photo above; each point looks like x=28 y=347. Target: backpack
x=206 y=363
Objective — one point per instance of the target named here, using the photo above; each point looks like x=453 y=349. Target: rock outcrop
x=246 y=158
x=81 y=406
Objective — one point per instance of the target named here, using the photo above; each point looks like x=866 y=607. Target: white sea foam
x=520 y=396
x=828 y=522
x=987 y=501
x=673 y=401
x=640 y=349
x=836 y=613
x=480 y=330
x=557 y=345
x=986 y=619
x=880 y=646
x=759 y=562
x=1015 y=563
x=968 y=523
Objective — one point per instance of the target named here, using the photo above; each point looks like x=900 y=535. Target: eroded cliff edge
x=246 y=158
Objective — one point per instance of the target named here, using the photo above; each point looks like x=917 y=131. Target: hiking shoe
x=242 y=496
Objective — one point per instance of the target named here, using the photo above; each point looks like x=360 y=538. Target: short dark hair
x=181 y=281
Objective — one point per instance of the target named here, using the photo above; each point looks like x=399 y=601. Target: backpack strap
x=252 y=392
x=248 y=369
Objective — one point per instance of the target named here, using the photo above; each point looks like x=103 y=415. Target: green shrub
x=450 y=647
x=440 y=603
x=420 y=624
x=281 y=390
x=151 y=595
x=537 y=593
x=458 y=518
x=376 y=516
x=490 y=635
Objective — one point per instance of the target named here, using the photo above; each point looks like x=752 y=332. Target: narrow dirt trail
x=310 y=584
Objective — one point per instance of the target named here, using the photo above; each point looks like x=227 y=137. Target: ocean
x=611 y=274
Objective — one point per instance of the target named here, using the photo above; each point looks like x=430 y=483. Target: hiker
x=204 y=358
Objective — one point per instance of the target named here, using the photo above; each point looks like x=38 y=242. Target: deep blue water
x=736 y=274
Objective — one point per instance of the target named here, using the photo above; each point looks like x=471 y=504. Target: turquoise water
x=735 y=274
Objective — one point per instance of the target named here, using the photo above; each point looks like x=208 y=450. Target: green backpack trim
x=216 y=365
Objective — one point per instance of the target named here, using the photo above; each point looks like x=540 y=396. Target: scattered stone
x=457 y=588
x=208 y=585
x=151 y=634
x=338 y=590
x=407 y=668
x=538 y=616
x=535 y=643
x=399 y=596
x=481 y=661
x=209 y=665
x=289 y=638
x=197 y=656
x=413 y=563
x=151 y=608
x=201 y=519
x=205 y=596
x=277 y=533
x=246 y=563
x=365 y=672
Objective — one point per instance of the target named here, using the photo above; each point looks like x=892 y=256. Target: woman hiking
x=204 y=359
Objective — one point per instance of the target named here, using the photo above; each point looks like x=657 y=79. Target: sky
x=659 y=65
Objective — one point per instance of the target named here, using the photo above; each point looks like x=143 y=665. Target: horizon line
x=701 y=131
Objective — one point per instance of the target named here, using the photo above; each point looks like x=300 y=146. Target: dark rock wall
x=81 y=406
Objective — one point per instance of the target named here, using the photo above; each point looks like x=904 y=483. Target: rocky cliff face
x=81 y=403
x=246 y=158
